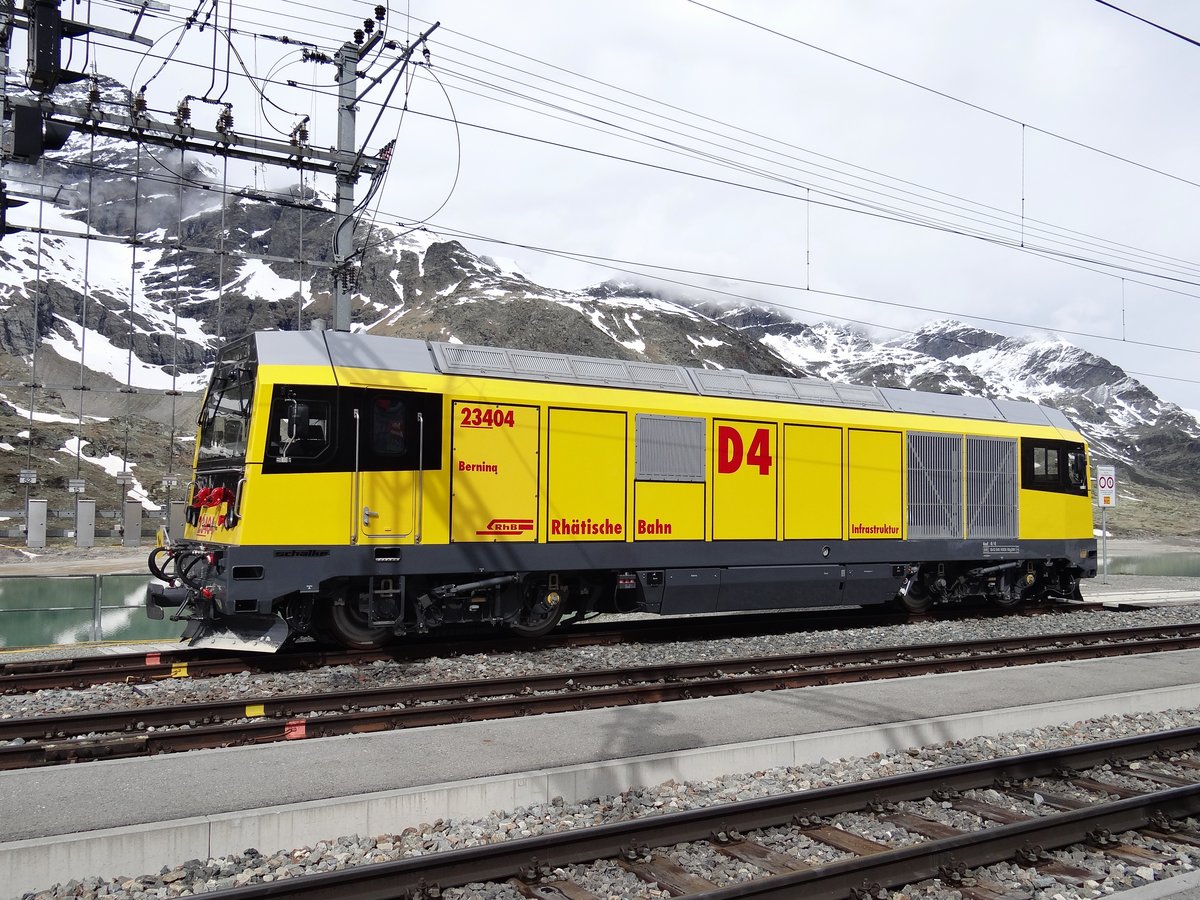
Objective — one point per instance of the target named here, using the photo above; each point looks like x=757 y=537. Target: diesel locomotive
x=357 y=488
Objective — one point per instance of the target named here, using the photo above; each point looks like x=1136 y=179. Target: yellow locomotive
x=361 y=487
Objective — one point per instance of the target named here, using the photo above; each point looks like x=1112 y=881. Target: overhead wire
x=641 y=268
x=1182 y=37
x=866 y=209
x=948 y=96
x=612 y=264
x=1149 y=274
x=1147 y=254
x=704 y=156
x=953 y=201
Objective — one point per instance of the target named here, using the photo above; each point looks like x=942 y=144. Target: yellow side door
x=494 y=472
x=586 y=475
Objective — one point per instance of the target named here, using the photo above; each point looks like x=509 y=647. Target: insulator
x=368 y=25
x=425 y=53
x=225 y=119
x=358 y=35
x=183 y=113
x=93 y=91
x=139 y=103
x=380 y=12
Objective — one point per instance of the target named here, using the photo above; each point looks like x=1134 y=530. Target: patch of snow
x=49 y=417
x=112 y=465
x=101 y=355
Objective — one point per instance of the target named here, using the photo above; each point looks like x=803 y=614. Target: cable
x=1126 y=12
x=639 y=267
x=1099 y=243
x=947 y=96
x=871 y=210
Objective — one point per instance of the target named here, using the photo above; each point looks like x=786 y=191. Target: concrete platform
x=135 y=816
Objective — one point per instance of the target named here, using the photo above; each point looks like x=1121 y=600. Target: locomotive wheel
x=540 y=617
x=347 y=625
x=916 y=599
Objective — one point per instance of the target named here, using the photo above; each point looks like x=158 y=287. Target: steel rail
x=22 y=676
x=1145 y=639
x=416 y=876
x=78 y=672
x=458 y=701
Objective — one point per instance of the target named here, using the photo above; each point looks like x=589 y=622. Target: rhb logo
x=506 y=526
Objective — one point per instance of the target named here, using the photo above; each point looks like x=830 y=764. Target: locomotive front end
x=201 y=587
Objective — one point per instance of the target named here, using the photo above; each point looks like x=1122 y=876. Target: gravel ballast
x=604 y=878
x=609 y=881
x=170 y=691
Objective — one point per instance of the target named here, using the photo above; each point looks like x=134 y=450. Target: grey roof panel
x=367 y=351
x=728 y=383
x=465 y=359
x=720 y=382
x=772 y=387
x=1022 y=412
x=812 y=390
x=929 y=404
x=1058 y=419
x=371 y=351
x=860 y=395
x=291 y=348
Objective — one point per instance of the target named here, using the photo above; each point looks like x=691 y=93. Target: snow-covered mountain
x=135 y=319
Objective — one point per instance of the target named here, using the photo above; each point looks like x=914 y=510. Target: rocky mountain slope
x=135 y=316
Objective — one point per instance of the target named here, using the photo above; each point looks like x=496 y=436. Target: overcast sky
x=975 y=116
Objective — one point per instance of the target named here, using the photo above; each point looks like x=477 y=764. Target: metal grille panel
x=669 y=448
x=934 y=486
x=991 y=487
x=539 y=363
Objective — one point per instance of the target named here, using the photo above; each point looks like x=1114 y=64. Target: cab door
x=397 y=444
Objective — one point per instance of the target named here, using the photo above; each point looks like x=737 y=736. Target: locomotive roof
x=369 y=351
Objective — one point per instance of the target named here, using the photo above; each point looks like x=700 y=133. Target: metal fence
x=49 y=610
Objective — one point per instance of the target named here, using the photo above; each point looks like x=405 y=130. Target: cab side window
x=299 y=428
x=398 y=430
x=389 y=426
x=1077 y=468
x=1058 y=466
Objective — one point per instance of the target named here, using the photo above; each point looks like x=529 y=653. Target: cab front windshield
x=225 y=417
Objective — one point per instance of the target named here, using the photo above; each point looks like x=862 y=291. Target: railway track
x=23 y=676
x=71 y=738
x=1021 y=808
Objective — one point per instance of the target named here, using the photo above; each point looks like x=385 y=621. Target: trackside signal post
x=1106 y=497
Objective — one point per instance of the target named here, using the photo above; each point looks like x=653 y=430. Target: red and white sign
x=1106 y=486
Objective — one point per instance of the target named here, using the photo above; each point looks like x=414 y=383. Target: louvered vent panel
x=669 y=448
x=666 y=377
x=991 y=487
x=599 y=370
x=476 y=358
x=934 y=486
x=539 y=363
